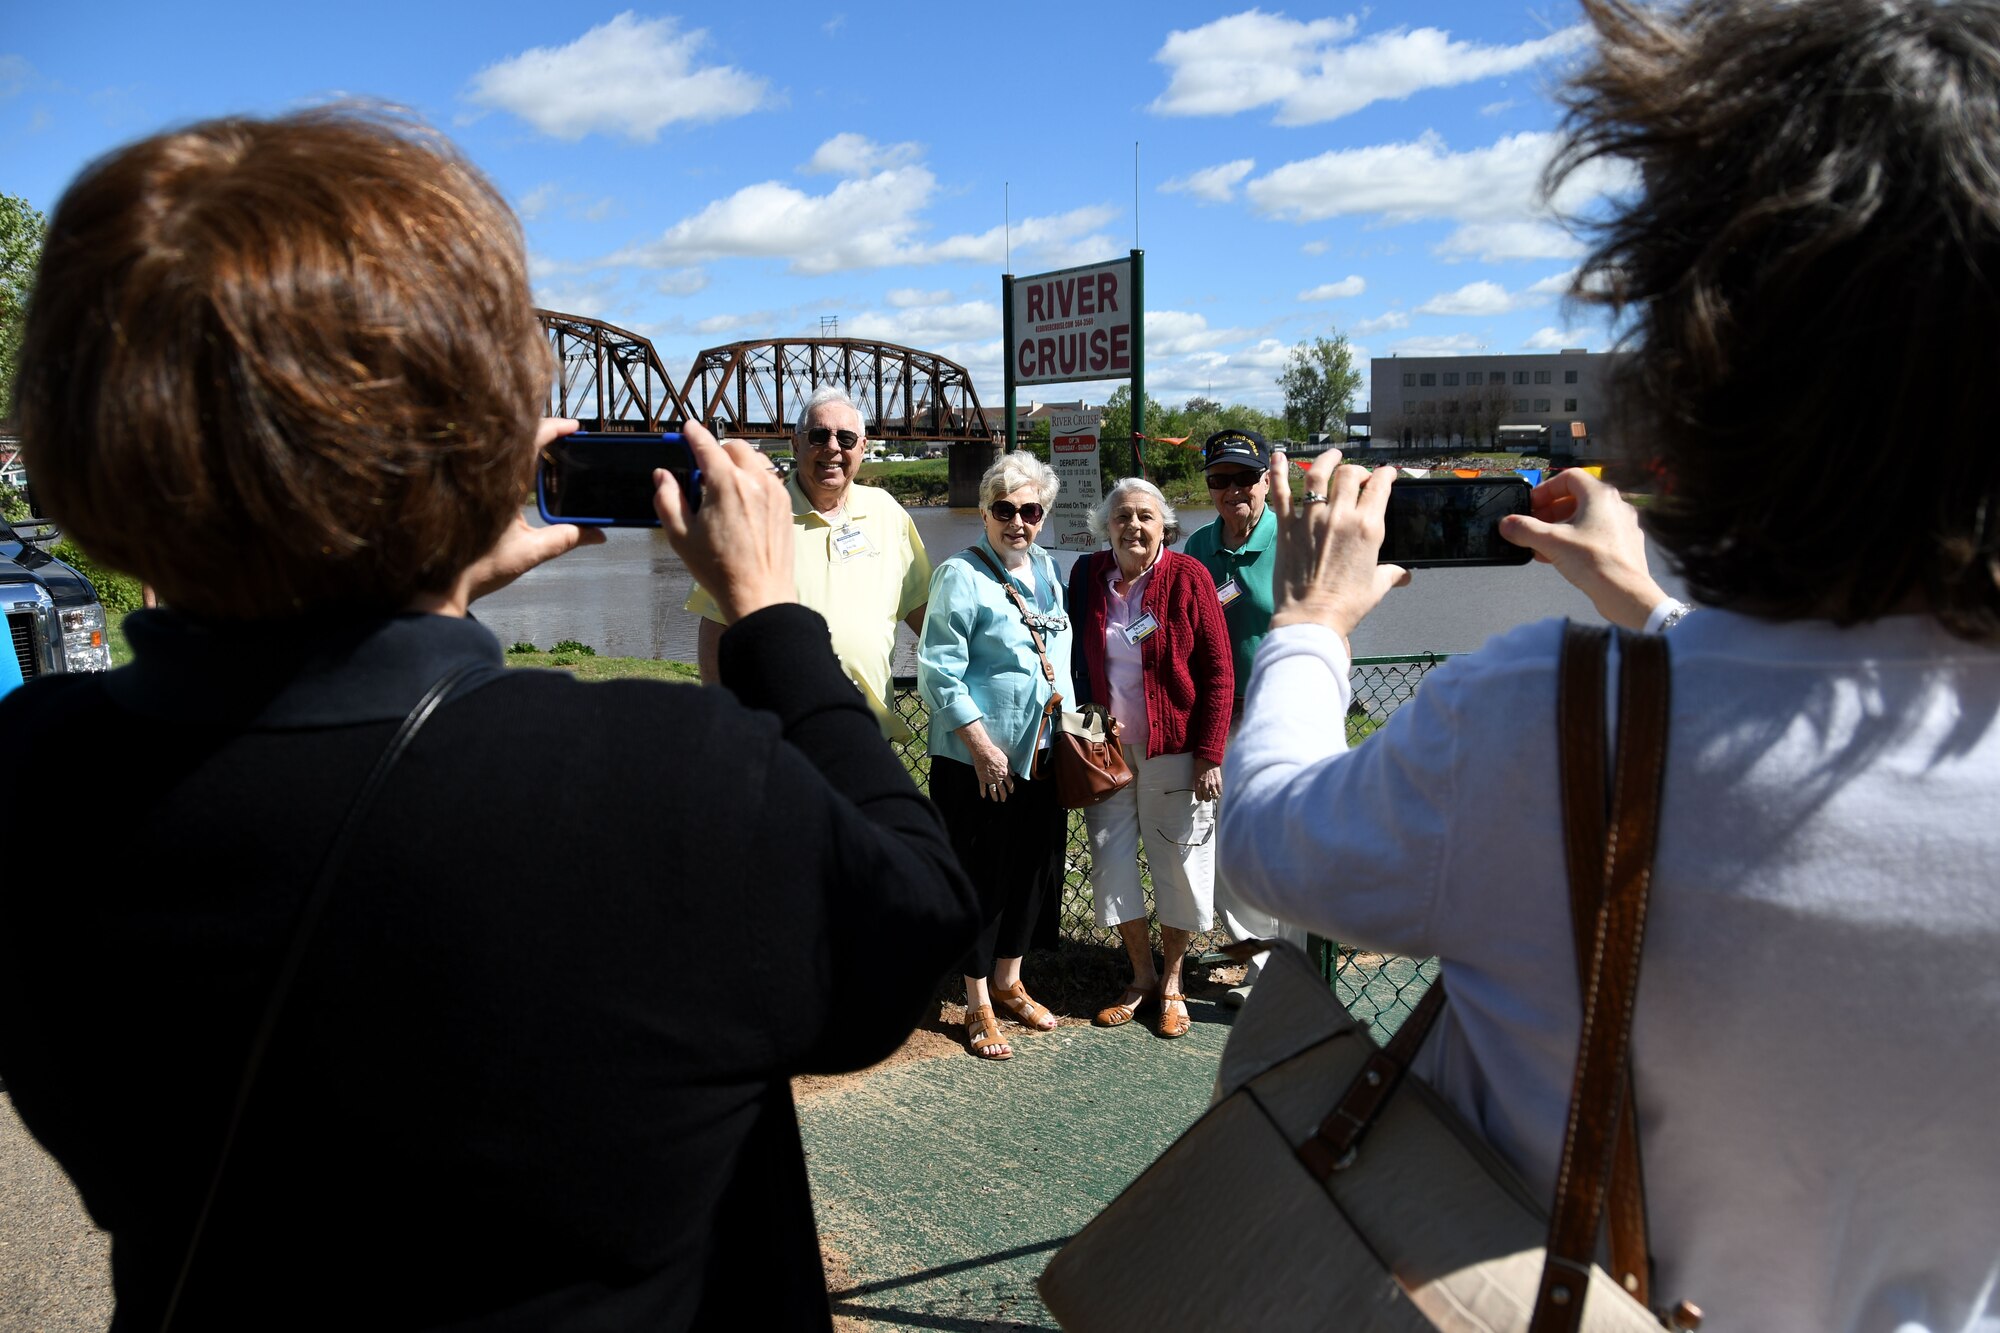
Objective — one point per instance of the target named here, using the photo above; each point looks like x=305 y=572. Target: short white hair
x=1100 y=517
x=824 y=394
x=1010 y=472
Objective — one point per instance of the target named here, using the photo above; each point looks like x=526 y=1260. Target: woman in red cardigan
x=1152 y=647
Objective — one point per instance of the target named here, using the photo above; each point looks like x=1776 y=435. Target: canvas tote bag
x=1372 y=1204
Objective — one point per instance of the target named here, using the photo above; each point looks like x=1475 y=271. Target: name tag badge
x=1228 y=592
x=849 y=542
x=1141 y=629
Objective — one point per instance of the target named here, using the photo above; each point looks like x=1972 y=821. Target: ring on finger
x=1314 y=498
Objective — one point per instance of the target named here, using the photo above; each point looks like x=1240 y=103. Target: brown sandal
x=1129 y=1004
x=1022 y=1008
x=983 y=1029
x=1171 y=1026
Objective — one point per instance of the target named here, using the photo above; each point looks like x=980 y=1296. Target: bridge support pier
x=968 y=462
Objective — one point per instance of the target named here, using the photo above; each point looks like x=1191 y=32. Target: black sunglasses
x=821 y=434
x=1030 y=513
x=1222 y=481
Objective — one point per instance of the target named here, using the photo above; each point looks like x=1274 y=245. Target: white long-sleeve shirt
x=1817 y=1039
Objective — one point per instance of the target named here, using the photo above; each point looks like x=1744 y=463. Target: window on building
x=1409 y=379
x=1520 y=377
x=1541 y=404
x=1475 y=378
x=1569 y=404
x=1569 y=377
x=1541 y=377
x=1520 y=404
x=1450 y=378
x=1499 y=376
x=1427 y=379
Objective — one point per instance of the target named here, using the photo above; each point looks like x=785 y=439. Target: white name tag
x=1141 y=629
x=1228 y=592
x=849 y=542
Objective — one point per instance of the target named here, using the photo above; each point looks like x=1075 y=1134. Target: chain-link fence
x=1379 y=989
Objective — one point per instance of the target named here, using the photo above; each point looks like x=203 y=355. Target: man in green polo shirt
x=1239 y=549
x=856 y=554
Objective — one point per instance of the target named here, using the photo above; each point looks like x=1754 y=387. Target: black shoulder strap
x=302 y=933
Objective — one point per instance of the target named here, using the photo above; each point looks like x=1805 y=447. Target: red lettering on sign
x=1024 y=360
x=1036 y=310
x=1086 y=297
x=1045 y=356
x=1098 y=355
x=1121 y=347
x=1107 y=292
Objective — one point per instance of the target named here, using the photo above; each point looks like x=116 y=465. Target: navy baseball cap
x=1244 y=447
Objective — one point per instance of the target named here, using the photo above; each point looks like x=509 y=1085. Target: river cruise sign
x=1075 y=324
x=1086 y=323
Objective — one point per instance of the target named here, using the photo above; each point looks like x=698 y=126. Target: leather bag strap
x=1585 y=795
x=295 y=954
x=1054 y=705
x=1598 y=1091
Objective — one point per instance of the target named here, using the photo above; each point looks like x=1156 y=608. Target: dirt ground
x=1074 y=982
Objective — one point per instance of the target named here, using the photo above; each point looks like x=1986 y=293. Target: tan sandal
x=1129 y=1004
x=1022 y=1008
x=983 y=1029
x=1170 y=1024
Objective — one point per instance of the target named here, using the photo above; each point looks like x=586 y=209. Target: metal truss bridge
x=612 y=379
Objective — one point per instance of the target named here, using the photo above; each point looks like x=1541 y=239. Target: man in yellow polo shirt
x=856 y=554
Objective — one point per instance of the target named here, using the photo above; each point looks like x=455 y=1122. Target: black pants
x=1012 y=850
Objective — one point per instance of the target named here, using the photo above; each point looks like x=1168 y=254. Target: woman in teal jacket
x=983 y=681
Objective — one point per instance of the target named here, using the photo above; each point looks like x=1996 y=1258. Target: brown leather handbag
x=1388 y=1211
x=1085 y=758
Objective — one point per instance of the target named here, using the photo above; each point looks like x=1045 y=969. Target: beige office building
x=1467 y=402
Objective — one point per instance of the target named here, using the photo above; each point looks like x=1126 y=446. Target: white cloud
x=1556 y=285
x=1449 y=344
x=834 y=24
x=1351 y=285
x=629 y=76
x=536 y=201
x=1313 y=248
x=1215 y=184
x=1553 y=340
x=1312 y=72
x=15 y=75
x=1424 y=179
x=1475 y=298
x=1178 y=332
x=928 y=326
x=543 y=198
x=1495 y=108
x=1388 y=319
x=868 y=222
x=1495 y=242
x=681 y=282
x=723 y=323
x=854 y=155
x=904 y=298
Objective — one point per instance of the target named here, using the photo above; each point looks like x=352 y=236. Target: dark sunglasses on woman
x=1030 y=513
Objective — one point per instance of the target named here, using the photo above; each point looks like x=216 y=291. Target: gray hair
x=824 y=394
x=1010 y=472
x=1100 y=517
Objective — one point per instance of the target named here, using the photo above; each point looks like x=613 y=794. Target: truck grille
x=23 y=644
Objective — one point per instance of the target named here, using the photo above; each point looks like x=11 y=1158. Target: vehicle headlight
x=84 y=645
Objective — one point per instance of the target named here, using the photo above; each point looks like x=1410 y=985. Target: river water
x=624 y=598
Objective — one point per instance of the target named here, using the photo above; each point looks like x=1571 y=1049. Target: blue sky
x=734 y=172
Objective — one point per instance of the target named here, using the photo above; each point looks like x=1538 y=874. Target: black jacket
x=534 y=1074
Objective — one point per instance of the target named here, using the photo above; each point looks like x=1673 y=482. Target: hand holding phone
x=739 y=546
x=1591 y=535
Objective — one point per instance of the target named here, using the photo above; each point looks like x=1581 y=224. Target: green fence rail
x=1379 y=989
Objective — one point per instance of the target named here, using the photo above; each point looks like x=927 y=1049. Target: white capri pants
x=1179 y=832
